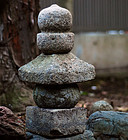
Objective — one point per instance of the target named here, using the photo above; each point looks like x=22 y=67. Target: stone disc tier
x=57 y=69
x=55 y=43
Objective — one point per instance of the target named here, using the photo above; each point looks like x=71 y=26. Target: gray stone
x=56 y=96
x=107 y=137
x=101 y=106
x=55 y=122
x=87 y=135
x=50 y=43
x=109 y=123
x=57 y=69
x=55 y=18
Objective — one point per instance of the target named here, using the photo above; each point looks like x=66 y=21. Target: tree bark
x=18 y=29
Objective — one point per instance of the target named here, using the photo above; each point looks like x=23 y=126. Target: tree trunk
x=18 y=29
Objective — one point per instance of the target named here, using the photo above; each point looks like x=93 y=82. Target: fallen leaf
x=123 y=109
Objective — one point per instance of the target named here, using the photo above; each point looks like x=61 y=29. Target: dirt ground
x=112 y=90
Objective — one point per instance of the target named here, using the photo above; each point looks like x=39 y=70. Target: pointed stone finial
x=53 y=21
x=55 y=18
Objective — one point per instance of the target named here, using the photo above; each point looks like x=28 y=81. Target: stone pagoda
x=56 y=72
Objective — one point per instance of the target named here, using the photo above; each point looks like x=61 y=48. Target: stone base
x=87 y=135
x=55 y=122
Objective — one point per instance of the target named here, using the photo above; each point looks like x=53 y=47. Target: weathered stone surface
x=57 y=69
x=55 y=18
x=55 y=122
x=87 y=135
x=109 y=123
x=56 y=96
x=101 y=106
x=10 y=125
x=50 y=43
x=107 y=137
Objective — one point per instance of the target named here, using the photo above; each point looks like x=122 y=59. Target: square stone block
x=55 y=122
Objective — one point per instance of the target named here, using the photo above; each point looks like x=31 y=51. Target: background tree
x=18 y=29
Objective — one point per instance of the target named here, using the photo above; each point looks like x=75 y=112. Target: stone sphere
x=101 y=106
x=54 y=18
x=56 y=96
x=55 y=43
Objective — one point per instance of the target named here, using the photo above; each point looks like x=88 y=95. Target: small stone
x=57 y=69
x=101 y=106
x=55 y=122
x=56 y=96
x=50 y=43
x=109 y=123
x=55 y=18
x=87 y=135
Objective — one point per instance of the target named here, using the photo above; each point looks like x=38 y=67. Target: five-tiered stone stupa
x=56 y=72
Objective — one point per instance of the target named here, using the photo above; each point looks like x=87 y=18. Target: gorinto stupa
x=56 y=72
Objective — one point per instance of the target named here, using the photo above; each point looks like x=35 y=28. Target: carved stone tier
x=55 y=122
x=55 y=43
x=57 y=69
x=56 y=96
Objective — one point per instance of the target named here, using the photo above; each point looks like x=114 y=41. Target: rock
x=57 y=69
x=101 y=106
x=50 y=43
x=87 y=135
x=10 y=125
x=107 y=137
x=56 y=96
x=109 y=123
x=55 y=18
x=55 y=122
